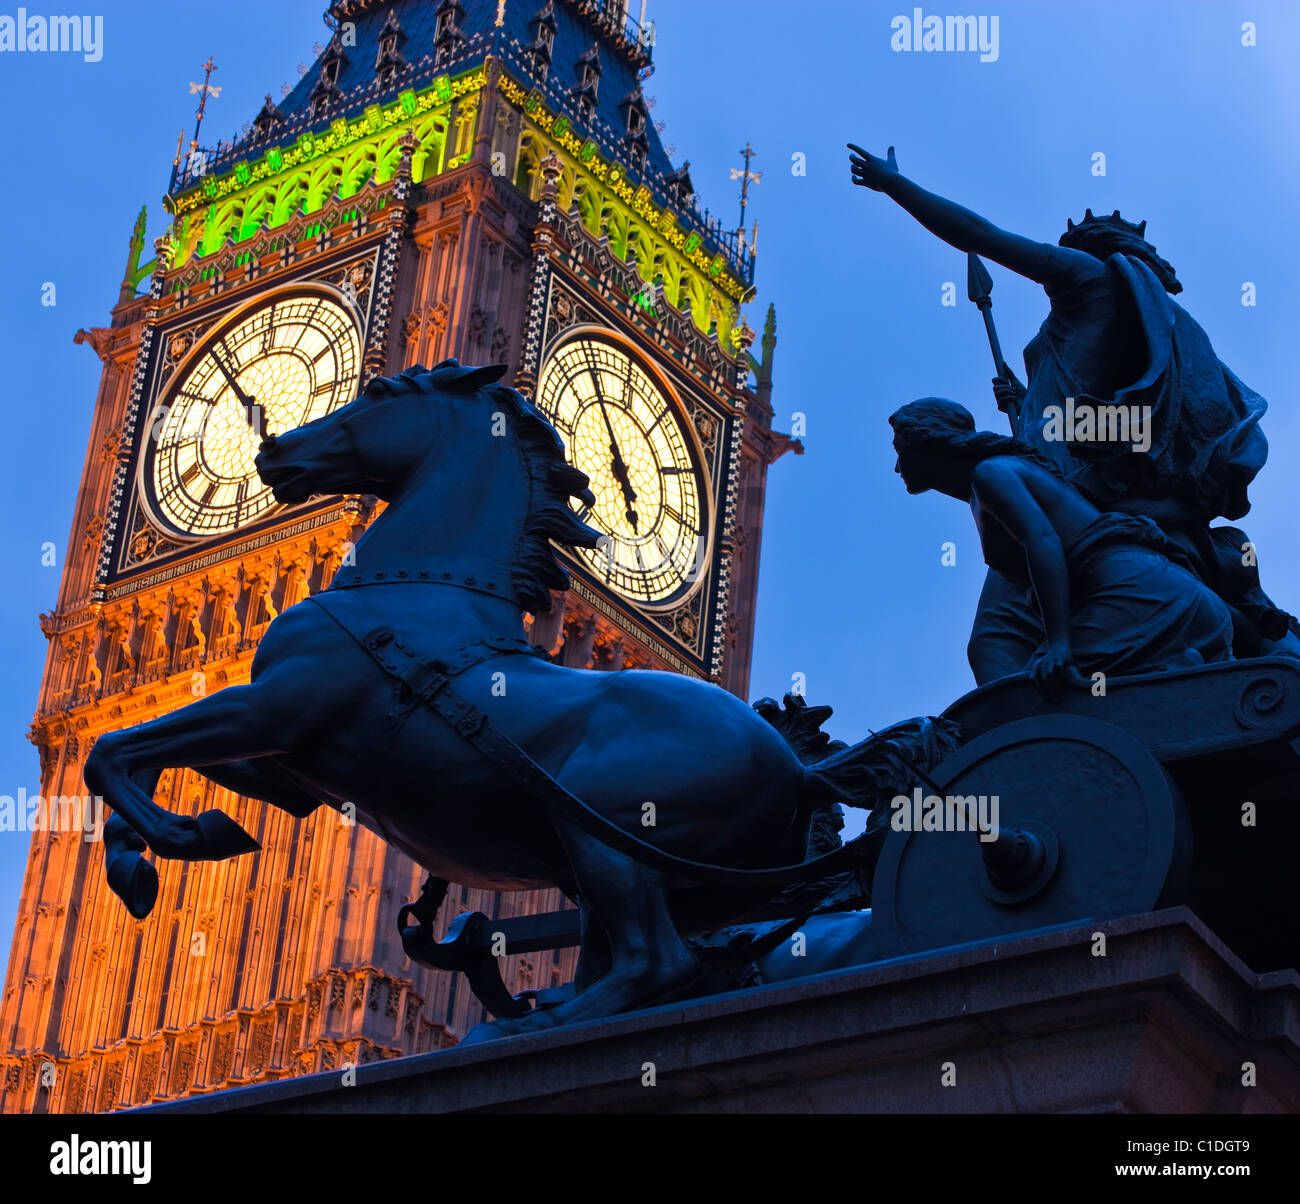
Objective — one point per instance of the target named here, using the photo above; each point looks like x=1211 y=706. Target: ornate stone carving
x=110 y=1087
x=224 y=1056
x=183 y=1069
x=411 y=328
x=179 y=344
x=500 y=343
x=143 y=542
x=259 y=1049
x=146 y=1081
x=109 y=445
x=93 y=533
x=707 y=427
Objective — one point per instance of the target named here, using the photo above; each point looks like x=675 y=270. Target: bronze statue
x=1115 y=339
x=1114 y=595
x=697 y=835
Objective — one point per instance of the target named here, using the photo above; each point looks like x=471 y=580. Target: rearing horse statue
x=348 y=703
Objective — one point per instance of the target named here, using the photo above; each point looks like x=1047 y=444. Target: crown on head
x=1090 y=226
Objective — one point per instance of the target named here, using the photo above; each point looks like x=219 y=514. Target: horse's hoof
x=221 y=837
x=133 y=880
x=509 y=1026
x=480 y=1034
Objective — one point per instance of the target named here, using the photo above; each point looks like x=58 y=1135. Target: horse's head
x=463 y=462
x=373 y=444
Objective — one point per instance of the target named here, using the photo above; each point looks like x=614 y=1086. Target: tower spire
x=744 y=175
x=204 y=90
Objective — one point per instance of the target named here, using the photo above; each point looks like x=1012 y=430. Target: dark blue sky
x=1199 y=135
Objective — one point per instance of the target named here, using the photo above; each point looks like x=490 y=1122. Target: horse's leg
x=133 y=879
x=261 y=778
x=130 y=877
x=630 y=902
x=232 y=725
x=595 y=959
x=648 y=958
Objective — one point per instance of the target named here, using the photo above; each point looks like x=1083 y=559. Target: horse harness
x=428 y=681
x=417 y=676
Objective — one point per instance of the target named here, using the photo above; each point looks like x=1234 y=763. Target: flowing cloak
x=1206 y=445
x=1135 y=605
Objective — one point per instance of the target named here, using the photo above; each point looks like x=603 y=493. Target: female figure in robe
x=1113 y=594
x=1114 y=336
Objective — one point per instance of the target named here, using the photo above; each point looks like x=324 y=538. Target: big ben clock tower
x=473 y=179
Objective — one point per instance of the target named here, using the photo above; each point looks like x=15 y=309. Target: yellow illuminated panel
x=289 y=362
x=621 y=430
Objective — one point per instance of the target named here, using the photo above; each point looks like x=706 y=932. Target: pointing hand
x=870 y=171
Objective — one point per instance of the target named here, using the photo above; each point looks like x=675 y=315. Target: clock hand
x=244 y=400
x=617 y=464
x=629 y=494
x=609 y=426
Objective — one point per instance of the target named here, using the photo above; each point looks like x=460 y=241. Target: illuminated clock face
x=621 y=429
x=289 y=361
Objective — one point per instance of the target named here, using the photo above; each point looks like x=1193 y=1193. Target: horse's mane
x=551 y=479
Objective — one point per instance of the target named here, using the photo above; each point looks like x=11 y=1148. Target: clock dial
x=621 y=429
x=285 y=363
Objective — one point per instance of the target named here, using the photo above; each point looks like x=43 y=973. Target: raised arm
x=967 y=231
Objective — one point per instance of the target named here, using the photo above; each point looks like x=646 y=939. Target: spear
x=979 y=289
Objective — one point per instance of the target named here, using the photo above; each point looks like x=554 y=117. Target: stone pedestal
x=1164 y=1021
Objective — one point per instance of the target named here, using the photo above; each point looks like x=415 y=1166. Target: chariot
x=1138 y=793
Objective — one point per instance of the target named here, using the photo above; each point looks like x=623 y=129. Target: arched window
x=528 y=175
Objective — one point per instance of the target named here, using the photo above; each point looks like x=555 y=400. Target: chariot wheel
x=1090 y=827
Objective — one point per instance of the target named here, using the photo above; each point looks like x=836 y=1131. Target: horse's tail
x=867 y=774
x=875 y=770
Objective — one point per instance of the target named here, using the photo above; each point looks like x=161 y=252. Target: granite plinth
x=1164 y=1022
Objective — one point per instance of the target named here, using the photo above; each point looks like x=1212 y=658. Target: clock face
x=290 y=360
x=621 y=429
